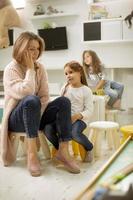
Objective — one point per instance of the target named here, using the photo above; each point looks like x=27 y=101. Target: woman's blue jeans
x=51 y=133
x=26 y=117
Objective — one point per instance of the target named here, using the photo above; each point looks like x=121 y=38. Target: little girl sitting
x=96 y=79
x=81 y=99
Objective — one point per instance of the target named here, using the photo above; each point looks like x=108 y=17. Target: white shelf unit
x=112 y=30
x=106 y=20
x=108 y=41
x=53 y=16
x=102 y=2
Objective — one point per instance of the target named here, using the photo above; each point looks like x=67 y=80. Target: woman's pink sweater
x=18 y=83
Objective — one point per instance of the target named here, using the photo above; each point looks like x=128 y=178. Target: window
x=18 y=4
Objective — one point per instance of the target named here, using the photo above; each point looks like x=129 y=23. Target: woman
x=98 y=80
x=27 y=107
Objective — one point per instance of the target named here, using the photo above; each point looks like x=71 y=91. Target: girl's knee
x=76 y=138
x=65 y=101
x=114 y=94
x=32 y=101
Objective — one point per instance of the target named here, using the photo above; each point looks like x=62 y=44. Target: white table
x=99 y=107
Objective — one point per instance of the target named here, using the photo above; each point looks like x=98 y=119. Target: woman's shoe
x=70 y=165
x=34 y=167
x=34 y=170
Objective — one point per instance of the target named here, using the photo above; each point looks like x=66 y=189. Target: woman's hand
x=75 y=117
x=28 y=60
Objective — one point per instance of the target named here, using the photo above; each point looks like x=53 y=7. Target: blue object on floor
x=1 y=114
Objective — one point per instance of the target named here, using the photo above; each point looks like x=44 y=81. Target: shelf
x=102 y=2
x=53 y=16
x=106 y=19
x=107 y=41
x=52 y=68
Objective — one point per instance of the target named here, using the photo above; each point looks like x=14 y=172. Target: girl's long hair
x=96 y=62
x=75 y=66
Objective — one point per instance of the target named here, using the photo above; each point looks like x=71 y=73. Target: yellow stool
x=78 y=149
x=99 y=92
x=126 y=132
x=53 y=152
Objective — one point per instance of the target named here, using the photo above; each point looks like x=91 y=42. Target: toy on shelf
x=51 y=10
x=128 y=19
x=39 y=10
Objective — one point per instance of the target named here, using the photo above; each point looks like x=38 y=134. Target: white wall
x=112 y=54
x=57 y=59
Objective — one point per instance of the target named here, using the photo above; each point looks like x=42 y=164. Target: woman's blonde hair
x=96 y=62
x=22 y=43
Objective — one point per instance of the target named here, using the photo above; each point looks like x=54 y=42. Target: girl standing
x=96 y=79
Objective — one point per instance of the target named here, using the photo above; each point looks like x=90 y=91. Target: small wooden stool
x=112 y=134
x=15 y=138
x=111 y=115
x=126 y=132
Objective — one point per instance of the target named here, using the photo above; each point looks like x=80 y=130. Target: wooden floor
x=55 y=182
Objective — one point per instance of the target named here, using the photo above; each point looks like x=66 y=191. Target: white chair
x=99 y=107
x=16 y=138
x=97 y=129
